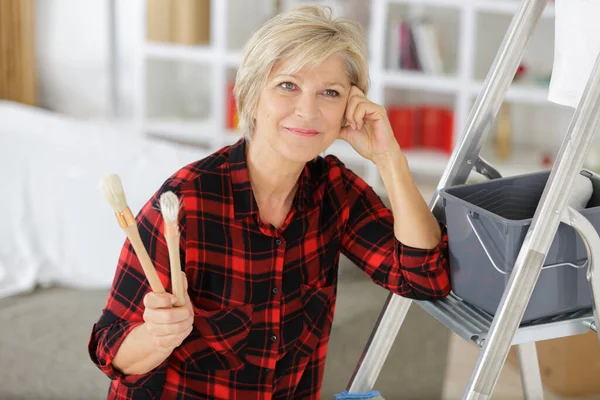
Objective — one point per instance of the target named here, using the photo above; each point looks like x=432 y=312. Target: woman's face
x=300 y=115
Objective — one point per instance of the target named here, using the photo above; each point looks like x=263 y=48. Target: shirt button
x=273 y=338
x=275 y=290
x=278 y=242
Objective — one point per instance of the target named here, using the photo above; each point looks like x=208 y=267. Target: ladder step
x=472 y=323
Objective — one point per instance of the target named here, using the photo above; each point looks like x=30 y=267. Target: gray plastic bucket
x=487 y=223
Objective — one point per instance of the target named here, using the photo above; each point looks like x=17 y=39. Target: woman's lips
x=303 y=132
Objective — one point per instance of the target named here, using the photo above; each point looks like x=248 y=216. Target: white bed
x=55 y=226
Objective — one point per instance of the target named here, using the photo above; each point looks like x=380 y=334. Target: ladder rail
x=529 y=368
x=538 y=240
x=463 y=159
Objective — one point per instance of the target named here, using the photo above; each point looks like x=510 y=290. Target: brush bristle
x=111 y=187
x=169 y=206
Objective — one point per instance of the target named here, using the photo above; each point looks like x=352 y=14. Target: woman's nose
x=307 y=107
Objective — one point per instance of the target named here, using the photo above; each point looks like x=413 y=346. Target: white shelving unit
x=462 y=85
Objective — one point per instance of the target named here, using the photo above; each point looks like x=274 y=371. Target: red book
x=232 y=117
x=402 y=120
x=436 y=128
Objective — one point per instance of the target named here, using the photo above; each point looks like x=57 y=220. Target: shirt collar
x=244 y=202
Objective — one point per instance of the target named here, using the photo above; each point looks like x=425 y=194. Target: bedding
x=55 y=225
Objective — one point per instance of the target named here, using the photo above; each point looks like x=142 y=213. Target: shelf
x=456 y=89
x=188 y=131
x=487 y=6
x=233 y=58
x=427 y=162
x=421 y=81
x=433 y=163
x=182 y=52
x=191 y=132
x=507 y=7
x=527 y=94
x=520 y=93
x=522 y=161
x=435 y=3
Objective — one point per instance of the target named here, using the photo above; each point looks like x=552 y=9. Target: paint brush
x=112 y=189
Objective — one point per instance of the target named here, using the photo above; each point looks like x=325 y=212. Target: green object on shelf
x=542 y=80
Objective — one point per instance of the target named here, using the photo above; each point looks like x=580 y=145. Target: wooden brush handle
x=172 y=237
x=136 y=241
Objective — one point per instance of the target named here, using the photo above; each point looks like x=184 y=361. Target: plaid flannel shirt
x=263 y=298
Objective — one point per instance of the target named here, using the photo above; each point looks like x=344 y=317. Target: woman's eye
x=331 y=92
x=287 y=85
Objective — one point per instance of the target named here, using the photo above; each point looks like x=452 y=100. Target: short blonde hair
x=304 y=36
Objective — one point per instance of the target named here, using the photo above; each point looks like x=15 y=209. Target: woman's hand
x=168 y=326
x=368 y=129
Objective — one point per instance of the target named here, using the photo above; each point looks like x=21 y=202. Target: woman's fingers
x=158 y=300
x=359 y=109
x=172 y=341
x=362 y=111
x=167 y=315
x=353 y=104
x=354 y=98
x=168 y=325
x=170 y=329
x=185 y=282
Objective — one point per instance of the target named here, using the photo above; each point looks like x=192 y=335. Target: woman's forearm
x=414 y=224
x=139 y=354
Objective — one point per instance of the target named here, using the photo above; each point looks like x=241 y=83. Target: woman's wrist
x=391 y=158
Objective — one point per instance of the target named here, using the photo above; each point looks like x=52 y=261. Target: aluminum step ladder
x=495 y=334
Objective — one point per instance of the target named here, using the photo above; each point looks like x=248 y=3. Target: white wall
x=72 y=50
x=72 y=54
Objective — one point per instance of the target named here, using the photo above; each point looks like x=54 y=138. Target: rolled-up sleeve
x=124 y=308
x=368 y=240
x=104 y=343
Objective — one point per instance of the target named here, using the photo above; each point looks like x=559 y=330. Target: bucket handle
x=470 y=218
x=591 y=240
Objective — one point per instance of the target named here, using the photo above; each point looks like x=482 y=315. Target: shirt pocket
x=317 y=311
x=217 y=340
x=313 y=323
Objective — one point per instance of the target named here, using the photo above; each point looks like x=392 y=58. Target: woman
x=264 y=222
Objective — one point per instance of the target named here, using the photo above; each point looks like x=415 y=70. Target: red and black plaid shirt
x=263 y=298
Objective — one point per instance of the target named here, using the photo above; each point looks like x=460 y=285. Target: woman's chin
x=302 y=152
